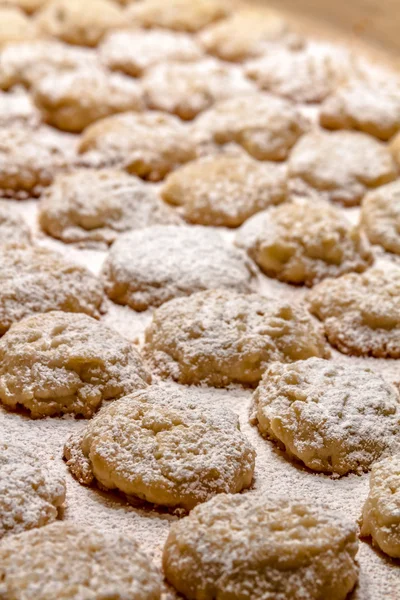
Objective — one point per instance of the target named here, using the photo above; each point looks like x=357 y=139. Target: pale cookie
x=30 y=158
x=76 y=23
x=158 y=446
x=91 y=208
x=72 y=100
x=13 y=228
x=17 y=107
x=58 y=363
x=264 y=125
x=31 y=494
x=134 y=51
x=74 y=562
x=381 y=513
x=225 y=190
x=25 y=63
x=252 y=546
x=149 y=144
x=15 y=26
x=150 y=266
x=28 y=6
x=248 y=33
x=37 y=280
x=181 y=15
x=340 y=165
x=334 y=418
x=220 y=337
x=380 y=216
x=361 y=313
x=186 y=89
x=395 y=148
x=307 y=75
x=303 y=242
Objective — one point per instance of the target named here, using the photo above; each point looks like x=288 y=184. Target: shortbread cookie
x=266 y=126
x=303 y=242
x=74 y=562
x=334 y=418
x=13 y=228
x=307 y=75
x=340 y=165
x=380 y=216
x=37 y=280
x=186 y=89
x=93 y=207
x=76 y=23
x=15 y=26
x=361 y=313
x=165 y=450
x=225 y=190
x=17 y=107
x=134 y=51
x=220 y=337
x=248 y=33
x=72 y=100
x=181 y=15
x=28 y=6
x=58 y=363
x=150 y=266
x=31 y=494
x=30 y=158
x=149 y=144
x=253 y=546
x=25 y=63
x=381 y=513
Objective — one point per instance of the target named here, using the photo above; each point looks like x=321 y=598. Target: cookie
x=15 y=26
x=165 y=450
x=91 y=208
x=221 y=337
x=37 y=280
x=334 y=418
x=340 y=166
x=304 y=242
x=17 y=107
x=13 y=228
x=151 y=266
x=361 y=313
x=380 y=216
x=28 y=6
x=253 y=546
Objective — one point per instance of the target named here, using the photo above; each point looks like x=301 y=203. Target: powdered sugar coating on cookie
x=380 y=216
x=17 y=107
x=220 y=337
x=13 y=228
x=254 y=546
x=157 y=445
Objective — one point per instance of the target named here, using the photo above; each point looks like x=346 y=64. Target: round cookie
x=248 y=33
x=381 y=513
x=59 y=363
x=252 y=546
x=13 y=228
x=340 y=165
x=72 y=100
x=25 y=63
x=186 y=89
x=31 y=495
x=380 y=216
x=361 y=313
x=70 y=561
x=149 y=144
x=37 y=280
x=30 y=158
x=307 y=75
x=165 y=450
x=15 y=26
x=150 y=266
x=225 y=190
x=77 y=23
x=134 y=51
x=92 y=208
x=220 y=337
x=334 y=418
x=180 y=15
x=264 y=125
x=304 y=242
x=17 y=107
